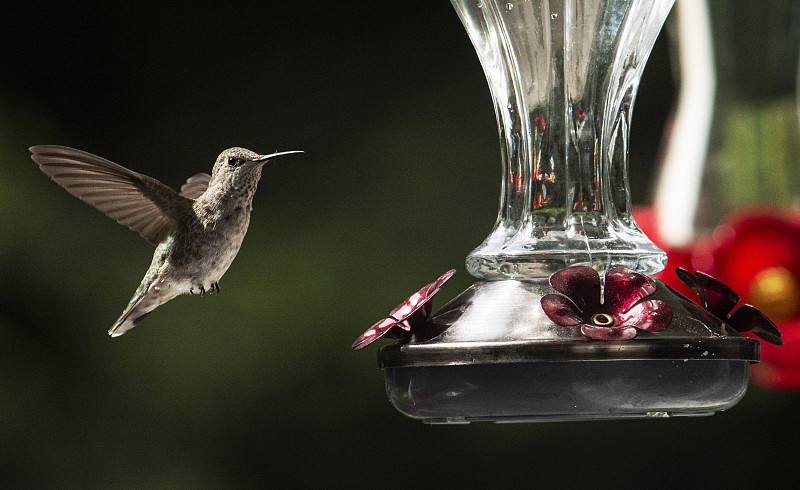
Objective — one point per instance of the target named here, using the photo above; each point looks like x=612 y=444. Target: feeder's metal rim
x=464 y=353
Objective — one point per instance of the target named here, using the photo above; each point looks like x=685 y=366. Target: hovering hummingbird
x=198 y=231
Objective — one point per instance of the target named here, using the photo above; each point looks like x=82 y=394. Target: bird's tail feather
x=133 y=314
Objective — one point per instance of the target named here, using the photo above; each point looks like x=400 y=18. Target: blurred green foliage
x=258 y=385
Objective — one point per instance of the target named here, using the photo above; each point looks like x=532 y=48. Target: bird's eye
x=234 y=162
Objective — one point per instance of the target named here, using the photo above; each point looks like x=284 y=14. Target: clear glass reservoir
x=563 y=75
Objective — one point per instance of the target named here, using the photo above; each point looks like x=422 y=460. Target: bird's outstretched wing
x=195 y=186
x=137 y=201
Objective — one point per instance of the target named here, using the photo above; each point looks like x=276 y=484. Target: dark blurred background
x=258 y=386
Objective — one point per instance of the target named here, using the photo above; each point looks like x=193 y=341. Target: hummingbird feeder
x=564 y=322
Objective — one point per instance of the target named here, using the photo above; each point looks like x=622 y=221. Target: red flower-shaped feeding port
x=720 y=300
x=408 y=316
x=622 y=312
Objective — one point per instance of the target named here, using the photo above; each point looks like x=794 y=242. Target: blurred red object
x=756 y=251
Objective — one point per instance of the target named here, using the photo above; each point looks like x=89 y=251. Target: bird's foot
x=214 y=287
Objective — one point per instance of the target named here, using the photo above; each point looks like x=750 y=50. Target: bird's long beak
x=264 y=158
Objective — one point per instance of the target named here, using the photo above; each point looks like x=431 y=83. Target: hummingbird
x=197 y=231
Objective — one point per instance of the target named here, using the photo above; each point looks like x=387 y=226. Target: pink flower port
x=719 y=299
x=619 y=316
x=409 y=315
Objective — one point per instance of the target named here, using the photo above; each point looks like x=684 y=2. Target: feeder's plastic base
x=491 y=354
x=566 y=391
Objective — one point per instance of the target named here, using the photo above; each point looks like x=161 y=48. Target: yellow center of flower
x=776 y=293
x=603 y=320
